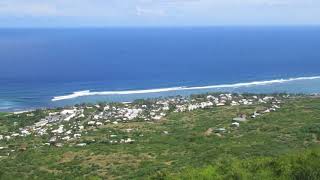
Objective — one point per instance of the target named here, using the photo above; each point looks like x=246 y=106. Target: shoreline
x=30 y=110
x=85 y=97
x=86 y=93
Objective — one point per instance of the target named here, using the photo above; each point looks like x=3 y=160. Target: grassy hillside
x=298 y=165
x=282 y=144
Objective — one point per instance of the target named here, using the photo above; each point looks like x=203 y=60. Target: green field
x=282 y=144
x=3 y=114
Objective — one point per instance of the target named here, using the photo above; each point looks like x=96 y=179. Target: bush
x=304 y=165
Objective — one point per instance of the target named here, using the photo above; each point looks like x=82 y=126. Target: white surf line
x=237 y=85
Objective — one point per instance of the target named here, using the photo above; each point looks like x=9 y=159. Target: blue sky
x=65 y=13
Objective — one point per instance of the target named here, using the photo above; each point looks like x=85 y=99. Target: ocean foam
x=237 y=85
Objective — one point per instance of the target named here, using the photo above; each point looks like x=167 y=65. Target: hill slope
x=198 y=144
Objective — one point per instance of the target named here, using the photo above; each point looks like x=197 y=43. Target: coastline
x=300 y=85
x=78 y=94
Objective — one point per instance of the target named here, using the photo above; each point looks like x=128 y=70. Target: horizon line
x=167 y=26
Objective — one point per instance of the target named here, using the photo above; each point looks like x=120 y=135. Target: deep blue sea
x=37 y=65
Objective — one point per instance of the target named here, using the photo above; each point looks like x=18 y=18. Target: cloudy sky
x=59 y=13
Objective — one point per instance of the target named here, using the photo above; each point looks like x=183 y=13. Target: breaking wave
x=183 y=88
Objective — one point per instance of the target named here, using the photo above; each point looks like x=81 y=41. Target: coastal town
x=67 y=126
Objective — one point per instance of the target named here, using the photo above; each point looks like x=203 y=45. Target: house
x=255 y=114
x=53 y=139
x=68 y=132
x=235 y=124
x=266 y=111
x=67 y=112
x=276 y=106
x=211 y=97
x=59 y=130
x=91 y=123
x=99 y=123
x=15 y=135
x=25 y=132
x=41 y=123
x=81 y=144
x=67 y=138
x=220 y=104
x=220 y=130
x=157 y=117
x=234 y=103
x=59 y=145
x=129 y=130
x=68 y=118
x=127 y=141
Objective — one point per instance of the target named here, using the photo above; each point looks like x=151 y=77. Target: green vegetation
x=297 y=166
x=3 y=114
x=15 y=121
x=279 y=145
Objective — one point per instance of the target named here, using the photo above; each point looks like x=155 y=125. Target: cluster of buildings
x=273 y=102
x=70 y=124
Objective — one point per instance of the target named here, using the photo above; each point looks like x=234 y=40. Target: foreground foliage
x=296 y=166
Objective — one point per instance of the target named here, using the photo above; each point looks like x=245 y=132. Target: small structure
x=266 y=111
x=81 y=144
x=59 y=145
x=129 y=140
x=91 y=123
x=255 y=114
x=235 y=124
x=67 y=138
x=59 y=130
x=53 y=139
x=220 y=104
x=234 y=103
x=220 y=130
x=99 y=123
x=241 y=118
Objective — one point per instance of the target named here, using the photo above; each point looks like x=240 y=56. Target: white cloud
x=149 y=12
x=56 y=8
x=25 y=8
x=141 y=7
x=166 y=11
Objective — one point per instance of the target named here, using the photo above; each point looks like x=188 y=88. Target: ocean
x=42 y=68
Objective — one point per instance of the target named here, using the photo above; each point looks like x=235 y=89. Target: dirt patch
x=208 y=132
x=116 y=159
x=46 y=169
x=168 y=163
x=69 y=156
x=315 y=138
